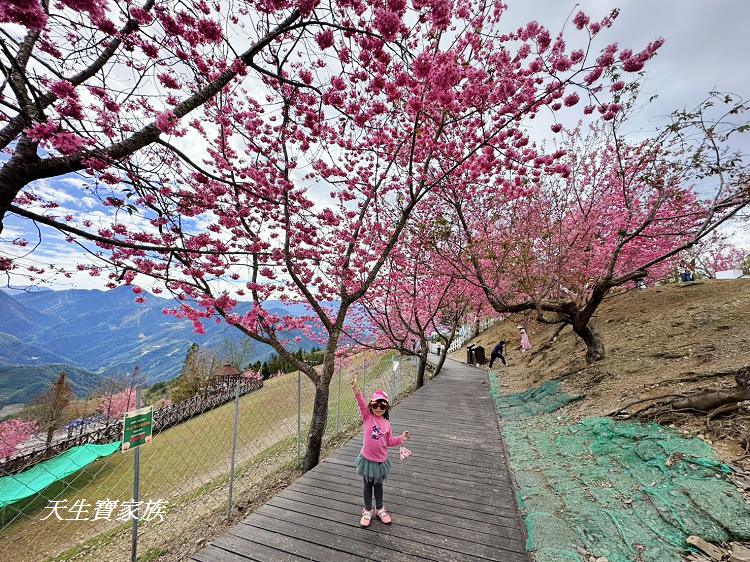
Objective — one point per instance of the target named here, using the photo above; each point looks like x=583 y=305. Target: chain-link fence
x=184 y=473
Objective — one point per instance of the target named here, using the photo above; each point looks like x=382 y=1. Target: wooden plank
x=340 y=536
x=493 y=497
x=484 y=468
x=430 y=512
x=460 y=516
x=434 y=463
x=230 y=548
x=481 y=465
x=290 y=544
x=215 y=554
x=453 y=499
x=343 y=512
x=362 y=542
x=436 y=478
x=501 y=492
x=408 y=493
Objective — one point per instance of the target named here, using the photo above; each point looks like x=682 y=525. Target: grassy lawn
x=188 y=460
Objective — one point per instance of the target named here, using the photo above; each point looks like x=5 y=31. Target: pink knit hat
x=379 y=395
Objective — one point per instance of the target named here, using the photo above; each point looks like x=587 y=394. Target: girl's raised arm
x=363 y=409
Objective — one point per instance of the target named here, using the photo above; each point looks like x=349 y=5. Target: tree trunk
x=421 y=369
x=15 y=174
x=441 y=360
x=593 y=341
x=322 y=388
x=318 y=424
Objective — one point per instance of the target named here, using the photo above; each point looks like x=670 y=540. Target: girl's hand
x=405 y=436
x=353 y=382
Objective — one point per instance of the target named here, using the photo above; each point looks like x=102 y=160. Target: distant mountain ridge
x=105 y=333
x=19 y=384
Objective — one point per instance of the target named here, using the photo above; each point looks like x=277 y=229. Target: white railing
x=467 y=332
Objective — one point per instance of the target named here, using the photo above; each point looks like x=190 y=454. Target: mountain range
x=93 y=334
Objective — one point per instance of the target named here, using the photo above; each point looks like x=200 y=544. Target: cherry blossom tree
x=415 y=298
x=113 y=406
x=419 y=297
x=13 y=433
x=610 y=212
x=716 y=253
x=372 y=105
x=100 y=88
x=117 y=395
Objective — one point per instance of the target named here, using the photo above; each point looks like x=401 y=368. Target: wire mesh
x=184 y=471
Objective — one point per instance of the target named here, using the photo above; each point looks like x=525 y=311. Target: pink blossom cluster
x=13 y=433
x=252 y=376
x=114 y=405
x=342 y=107
x=28 y=13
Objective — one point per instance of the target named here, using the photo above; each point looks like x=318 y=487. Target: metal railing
x=207 y=462
x=163 y=418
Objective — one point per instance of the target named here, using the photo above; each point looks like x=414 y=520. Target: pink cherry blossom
x=28 y=13
x=325 y=39
x=14 y=433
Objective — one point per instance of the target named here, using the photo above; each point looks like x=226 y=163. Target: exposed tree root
x=665 y=398
x=695 y=377
x=710 y=403
x=723 y=409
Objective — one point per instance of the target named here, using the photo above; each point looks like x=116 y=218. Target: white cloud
x=705 y=49
x=45 y=189
x=89 y=202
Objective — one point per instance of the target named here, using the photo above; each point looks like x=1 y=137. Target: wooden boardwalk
x=453 y=499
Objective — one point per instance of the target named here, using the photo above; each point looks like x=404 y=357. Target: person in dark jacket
x=498 y=352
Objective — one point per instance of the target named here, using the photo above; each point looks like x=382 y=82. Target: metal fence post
x=393 y=380
x=299 y=415
x=398 y=380
x=338 y=402
x=364 y=377
x=234 y=447
x=136 y=484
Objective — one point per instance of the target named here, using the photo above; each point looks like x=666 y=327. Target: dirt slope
x=674 y=339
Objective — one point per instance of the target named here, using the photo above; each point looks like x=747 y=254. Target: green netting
x=622 y=490
x=537 y=400
x=19 y=486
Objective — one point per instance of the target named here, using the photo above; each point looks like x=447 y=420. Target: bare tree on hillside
x=52 y=404
x=196 y=371
x=237 y=353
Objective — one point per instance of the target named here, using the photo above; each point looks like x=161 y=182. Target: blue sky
x=706 y=49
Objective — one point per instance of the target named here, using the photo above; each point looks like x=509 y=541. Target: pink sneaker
x=366 y=518
x=382 y=514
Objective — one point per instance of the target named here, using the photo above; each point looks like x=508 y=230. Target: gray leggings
x=369 y=487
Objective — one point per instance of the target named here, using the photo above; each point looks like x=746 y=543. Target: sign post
x=137 y=430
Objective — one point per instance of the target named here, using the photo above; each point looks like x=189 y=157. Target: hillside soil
x=661 y=343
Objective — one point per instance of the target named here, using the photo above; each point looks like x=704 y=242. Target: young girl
x=372 y=463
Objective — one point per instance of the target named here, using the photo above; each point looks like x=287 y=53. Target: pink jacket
x=377 y=434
